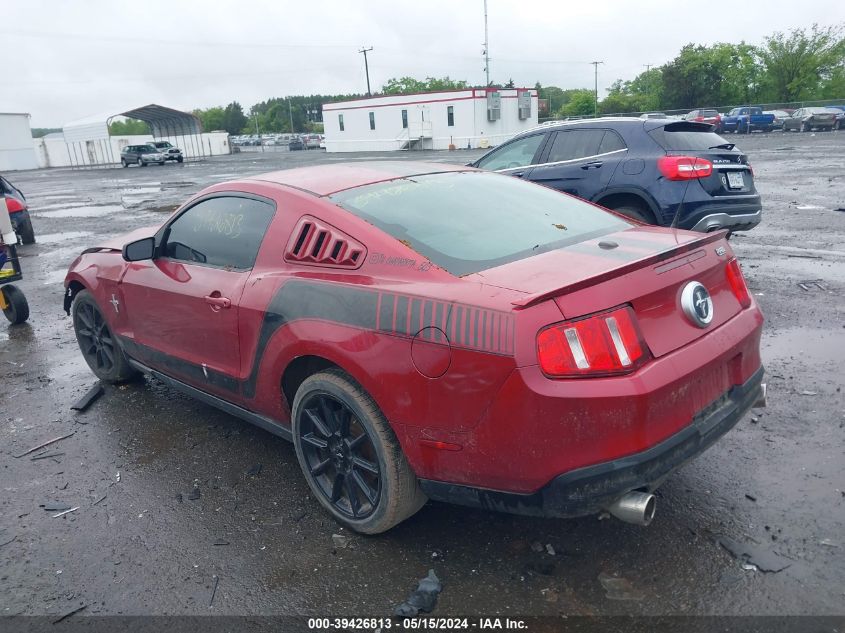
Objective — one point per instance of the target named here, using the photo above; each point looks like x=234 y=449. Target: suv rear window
x=683 y=136
x=466 y=222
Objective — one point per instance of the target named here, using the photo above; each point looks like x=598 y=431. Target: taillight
x=14 y=205
x=684 y=167
x=599 y=345
x=737 y=282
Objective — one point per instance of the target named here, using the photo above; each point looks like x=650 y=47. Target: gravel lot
x=139 y=544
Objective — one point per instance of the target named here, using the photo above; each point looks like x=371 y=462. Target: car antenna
x=680 y=207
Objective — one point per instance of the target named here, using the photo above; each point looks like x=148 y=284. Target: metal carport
x=89 y=142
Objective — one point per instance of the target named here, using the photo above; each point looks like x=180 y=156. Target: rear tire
x=98 y=345
x=26 y=231
x=640 y=214
x=141 y=163
x=17 y=307
x=804 y=127
x=350 y=456
x=123 y=162
x=180 y=159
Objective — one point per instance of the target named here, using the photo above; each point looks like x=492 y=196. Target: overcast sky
x=67 y=60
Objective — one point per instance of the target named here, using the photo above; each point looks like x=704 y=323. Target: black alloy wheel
x=339 y=456
x=95 y=338
x=99 y=347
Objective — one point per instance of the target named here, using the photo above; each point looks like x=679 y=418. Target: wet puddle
x=55 y=238
x=82 y=212
x=810 y=345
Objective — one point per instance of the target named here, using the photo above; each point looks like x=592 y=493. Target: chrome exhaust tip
x=760 y=402
x=634 y=507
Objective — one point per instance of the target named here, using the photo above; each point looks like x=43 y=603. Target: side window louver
x=315 y=242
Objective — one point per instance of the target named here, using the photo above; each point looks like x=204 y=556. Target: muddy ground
x=142 y=543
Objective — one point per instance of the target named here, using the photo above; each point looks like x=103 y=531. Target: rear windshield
x=685 y=137
x=466 y=222
x=709 y=113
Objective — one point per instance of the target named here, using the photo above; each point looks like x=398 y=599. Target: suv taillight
x=14 y=204
x=684 y=167
x=737 y=282
x=599 y=345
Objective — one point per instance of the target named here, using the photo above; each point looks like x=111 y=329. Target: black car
x=296 y=143
x=170 y=151
x=650 y=170
x=18 y=211
x=141 y=155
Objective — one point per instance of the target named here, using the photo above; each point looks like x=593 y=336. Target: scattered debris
x=619 y=588
x=45 y=456
x=828 y=543
x=809 y=393
x=749 y=567
x=47 y=443
x=765 y=560
x=85 y=401
x=61 y=514
x=195 y=494
x=214 y=590
x=220 y=541
x=70 y=613
x=805 y=285
x=340 y=541
x=423 y=599
x=750 y=497
x=99 y=500
x=254 y=471
x=117 y=477
x=54 y=506
x=549 y=549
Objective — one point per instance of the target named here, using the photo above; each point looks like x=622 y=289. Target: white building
x=434 y=120
x=16 y=148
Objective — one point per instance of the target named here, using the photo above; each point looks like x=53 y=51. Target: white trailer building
x=17 y=150
x=474 y=117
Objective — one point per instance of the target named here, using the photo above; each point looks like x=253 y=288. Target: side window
x=372 y=120
x=611 y=142
x=404 y=119
x=224 y=231
x=340 y=122
x=575 y=144
x=519 y=153
x=450 y=116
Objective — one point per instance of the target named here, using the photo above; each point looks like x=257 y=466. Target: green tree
x=234 y=119
x=129 y=127
x=798 y=63
x=409 y=85
x=581 y=102
x=691 y=79
x=212 y=118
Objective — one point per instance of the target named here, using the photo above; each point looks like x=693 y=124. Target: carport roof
x=163 y=121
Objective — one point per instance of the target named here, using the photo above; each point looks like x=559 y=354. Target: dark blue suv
x=645 y=169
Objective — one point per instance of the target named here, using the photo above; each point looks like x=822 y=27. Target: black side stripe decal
x=391 y=313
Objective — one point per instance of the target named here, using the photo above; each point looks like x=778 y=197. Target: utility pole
x=290 y=114
x=367 y=67
x=596 y=108
x=486 y=50
x=648 y=67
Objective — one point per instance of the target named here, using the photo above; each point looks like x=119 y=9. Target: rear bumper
x=590 y=489
x=715 y=220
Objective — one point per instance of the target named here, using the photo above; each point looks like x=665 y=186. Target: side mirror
x=140 y=250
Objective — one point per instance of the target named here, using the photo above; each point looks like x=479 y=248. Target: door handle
x=217 y=302
x=593 y=165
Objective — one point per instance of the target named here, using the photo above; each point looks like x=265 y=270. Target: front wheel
x=350 y=456
x=141 y=163
x=180 y=159
x=805 y=127
x=97 y=343
x=123 y=162
x=15 y=305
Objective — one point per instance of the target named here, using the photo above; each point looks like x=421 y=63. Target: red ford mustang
x=428 y=331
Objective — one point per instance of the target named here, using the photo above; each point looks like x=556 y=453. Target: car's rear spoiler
x=532 y=299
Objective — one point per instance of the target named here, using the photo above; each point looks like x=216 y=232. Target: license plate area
x=736 y=180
